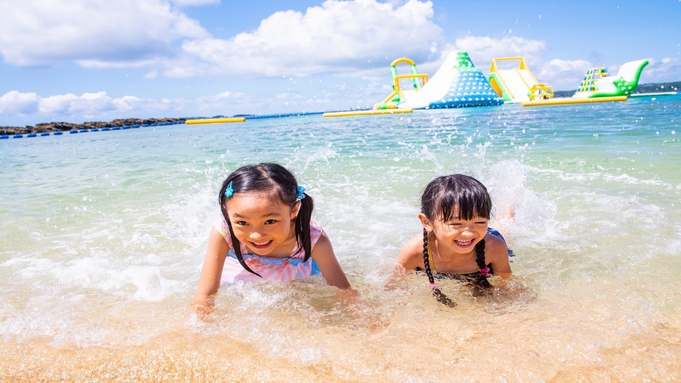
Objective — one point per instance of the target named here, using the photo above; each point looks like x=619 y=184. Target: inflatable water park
x=459 y=84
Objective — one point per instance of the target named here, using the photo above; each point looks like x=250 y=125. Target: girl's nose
x=255 y=235
x=469 y=230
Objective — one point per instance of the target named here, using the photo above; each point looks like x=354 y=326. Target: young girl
x=266 y=233
x=457 y=242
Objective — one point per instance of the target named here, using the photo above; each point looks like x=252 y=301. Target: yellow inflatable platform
x=367 y=112
x=215 y=120
x=568 y=101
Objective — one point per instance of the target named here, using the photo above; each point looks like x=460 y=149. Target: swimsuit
x=478 y=275
x=271 y=269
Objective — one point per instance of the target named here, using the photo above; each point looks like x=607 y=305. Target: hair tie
x=229 y=192
x=301 y=192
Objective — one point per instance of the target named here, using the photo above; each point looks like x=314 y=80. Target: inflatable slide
x=456 y=84
x=598 y=83
x=517 y=84
x=599 y=86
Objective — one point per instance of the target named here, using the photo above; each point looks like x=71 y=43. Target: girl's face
x=457 y=235
x=263 y=223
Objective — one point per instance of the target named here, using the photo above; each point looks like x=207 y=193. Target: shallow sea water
x=102 y=235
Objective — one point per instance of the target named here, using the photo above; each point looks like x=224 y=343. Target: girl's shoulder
x=220 y=225
x=414 y=245
x=315 y=231
x=411 y=253
x=495 y=247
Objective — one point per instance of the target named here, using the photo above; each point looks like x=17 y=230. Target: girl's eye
x=270 y=222
x=481 y=223
x=240 y=223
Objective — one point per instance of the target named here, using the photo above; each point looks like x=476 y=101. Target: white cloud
x=100 y=106
x=483 y=49
x=95 y=33
x=151 y=75
x=338 y=36
x=14 y=102
x=71 y=104
x=562 y=74
x=665 y=70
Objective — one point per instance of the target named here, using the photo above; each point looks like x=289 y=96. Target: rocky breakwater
x=66 y=126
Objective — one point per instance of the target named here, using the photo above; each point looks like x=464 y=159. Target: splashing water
x=103 y=235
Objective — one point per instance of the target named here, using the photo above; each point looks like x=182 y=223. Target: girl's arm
x=323 y=255
x=211 y=272
x=496 y=253
x=411 y=255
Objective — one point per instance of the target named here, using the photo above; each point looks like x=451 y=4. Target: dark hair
x=441 y=199
x=276 y=180
x=443 y=195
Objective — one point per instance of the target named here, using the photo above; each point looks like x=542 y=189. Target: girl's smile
x=464 y=244
x=260 y=245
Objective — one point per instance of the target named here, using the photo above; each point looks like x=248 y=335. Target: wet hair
x=280 y=183
x=444 y=197
x=456 y=193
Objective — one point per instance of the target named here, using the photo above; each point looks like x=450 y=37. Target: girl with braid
x=266 y=233
x=457 y=242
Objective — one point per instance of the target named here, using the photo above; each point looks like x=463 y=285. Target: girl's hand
x=510 y=286
x=362 y=310
x=202 y=308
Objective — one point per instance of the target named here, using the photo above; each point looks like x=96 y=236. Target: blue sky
x=97 y=60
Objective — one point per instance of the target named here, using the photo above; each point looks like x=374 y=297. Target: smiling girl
x=457 y=242
x=266 y=233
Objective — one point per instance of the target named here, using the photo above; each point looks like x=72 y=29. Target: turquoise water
x=102 y=235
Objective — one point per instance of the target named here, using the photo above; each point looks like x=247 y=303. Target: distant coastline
x=67 y=126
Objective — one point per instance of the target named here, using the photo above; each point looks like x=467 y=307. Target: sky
x=99 y=60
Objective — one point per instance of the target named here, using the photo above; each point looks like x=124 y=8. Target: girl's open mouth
x=464 y=243
x=260 y=245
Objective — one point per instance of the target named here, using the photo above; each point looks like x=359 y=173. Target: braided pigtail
x=439 y=295
x=482 y=281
